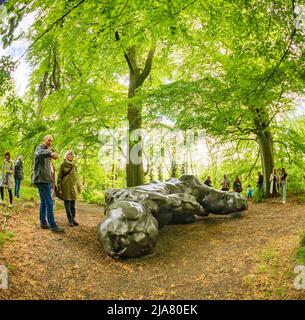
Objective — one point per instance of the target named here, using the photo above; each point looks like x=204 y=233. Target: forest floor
x=245 y=257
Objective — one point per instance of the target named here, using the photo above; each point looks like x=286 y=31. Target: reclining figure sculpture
x=133 y=216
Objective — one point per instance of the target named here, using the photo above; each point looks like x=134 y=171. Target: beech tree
x=250 y=74
x=231 y=68
x=92 y=38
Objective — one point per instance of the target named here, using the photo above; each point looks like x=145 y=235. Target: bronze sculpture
x=133 y=216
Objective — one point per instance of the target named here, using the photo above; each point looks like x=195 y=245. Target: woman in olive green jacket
x=68 y=186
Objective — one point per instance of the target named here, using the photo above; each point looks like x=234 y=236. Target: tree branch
x=49 y=29
x=253 y=166
x=185 y=7
x=148 y=64
x=128 y=56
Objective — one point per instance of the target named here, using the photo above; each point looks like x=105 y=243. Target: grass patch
x=259 y=196
x=301 y=198
x=280 y=292
x=96 y=197
x=300 y=253
x=28 y=192
x=262 y=268
x=10 y=266
x=268 y=255
x=5 y=236
x=302 y=239
x=248 y=281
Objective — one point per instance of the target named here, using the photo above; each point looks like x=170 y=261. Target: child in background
x=249 y=193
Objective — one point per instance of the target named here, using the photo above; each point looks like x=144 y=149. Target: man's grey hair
x=48 y=136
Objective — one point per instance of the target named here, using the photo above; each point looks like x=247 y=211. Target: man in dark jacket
x=18 y=175
x=208 y=181
x=42 y=179
x=260 y=181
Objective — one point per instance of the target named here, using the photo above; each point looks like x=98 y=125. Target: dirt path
x=216 y=257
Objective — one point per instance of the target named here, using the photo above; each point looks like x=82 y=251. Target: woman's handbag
x=58 y=194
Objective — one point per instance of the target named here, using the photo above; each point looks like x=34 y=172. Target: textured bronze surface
x=134 y=215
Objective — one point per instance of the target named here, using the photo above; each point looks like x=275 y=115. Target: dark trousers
x=17 y=187
x=46 y=204
x=70 y=209
x=10 y=193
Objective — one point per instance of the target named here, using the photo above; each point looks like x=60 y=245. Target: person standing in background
x=284 y=184
x=278 y=181
x=260 y=182
x=249 y=192
x=208 y=182
x=68 y=186
x=6 y=178
x=42 y=179
x=237 y=187
x=18 y=175
x=273 y=185
x=225 y=183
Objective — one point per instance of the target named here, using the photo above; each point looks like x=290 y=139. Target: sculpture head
x=128 y=230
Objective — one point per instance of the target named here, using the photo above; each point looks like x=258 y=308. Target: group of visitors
x=278 y=184
x=8 y=173
x=225 y=184
x=66 y=188
x=68 y=185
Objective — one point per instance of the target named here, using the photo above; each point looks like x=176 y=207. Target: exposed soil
x=250 y=256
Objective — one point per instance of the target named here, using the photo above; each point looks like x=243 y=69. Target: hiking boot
x=44 y=226
x=57 y=229
x=71 y=224
x=75 y=223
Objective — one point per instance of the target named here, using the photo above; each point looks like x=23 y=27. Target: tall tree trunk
x=174 y=167
x=42 y=93
x=134 y=170
x=161 y=161
x=113 y=174
x=266 y=148
x=51 y=78
x=134 y=166
x=184 y=166
x=151 y=164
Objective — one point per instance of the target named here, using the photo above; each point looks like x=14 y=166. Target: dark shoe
x=57 y=229
x=75 y=223
x=44 y=226
x=71 y=224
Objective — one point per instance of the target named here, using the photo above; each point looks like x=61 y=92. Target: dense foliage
x=232 y=68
